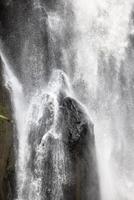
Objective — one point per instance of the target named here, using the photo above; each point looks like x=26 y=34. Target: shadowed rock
x=7 y=162
x=63 y=167
x=66 y=165
x=79 y=145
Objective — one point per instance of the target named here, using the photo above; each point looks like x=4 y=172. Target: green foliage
x=3 y=114
x=3 y=110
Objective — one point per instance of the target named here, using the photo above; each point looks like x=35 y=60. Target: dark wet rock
x=18 y=24
x=79 y=145
x=76 y=123
x=77 y=149
x=7 y=167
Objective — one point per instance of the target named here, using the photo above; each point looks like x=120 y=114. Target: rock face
x=79 y=145
x=6 y=147
x=66 y=166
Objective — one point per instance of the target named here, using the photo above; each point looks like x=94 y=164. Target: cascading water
x=64 y=53
x=104 y=64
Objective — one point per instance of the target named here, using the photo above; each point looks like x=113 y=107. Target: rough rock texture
x=78 y=137
x=19 y=22
x=6 y=147
x=66 y=165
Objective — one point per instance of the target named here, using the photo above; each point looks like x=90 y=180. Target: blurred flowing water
x=86 y=49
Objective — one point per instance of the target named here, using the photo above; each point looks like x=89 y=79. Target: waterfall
x=104 y=57
x=69 y=61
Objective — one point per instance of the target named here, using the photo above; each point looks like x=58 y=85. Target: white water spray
x=102 y=42
x=103 y=69
x=28 y=115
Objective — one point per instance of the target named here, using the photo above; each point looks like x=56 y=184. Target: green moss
x=3 y=110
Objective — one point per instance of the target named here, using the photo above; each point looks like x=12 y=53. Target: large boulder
x=63 y=162
x=79 y=145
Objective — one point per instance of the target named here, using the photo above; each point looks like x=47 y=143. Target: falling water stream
x=83 y=50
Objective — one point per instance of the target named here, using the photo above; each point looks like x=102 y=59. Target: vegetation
x=4 y=114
